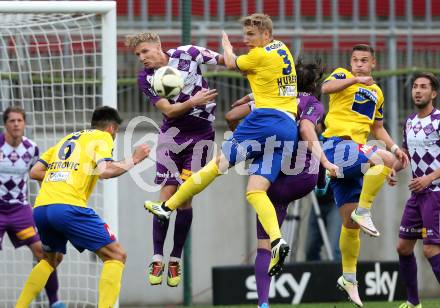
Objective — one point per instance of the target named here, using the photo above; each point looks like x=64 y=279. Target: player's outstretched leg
x=374 y=179
x=191 y=187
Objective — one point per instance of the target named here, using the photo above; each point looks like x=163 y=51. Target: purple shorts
x=179 y=156
x=284 y=190
x=421 y=218
x=18 y=222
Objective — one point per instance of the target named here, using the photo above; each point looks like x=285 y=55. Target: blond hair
x=260 y=21
x=149 y=37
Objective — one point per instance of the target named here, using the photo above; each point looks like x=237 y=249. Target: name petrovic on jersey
x=70 y=165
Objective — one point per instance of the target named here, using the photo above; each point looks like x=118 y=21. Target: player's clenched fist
x=140 y=153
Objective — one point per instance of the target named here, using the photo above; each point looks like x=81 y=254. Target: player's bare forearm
x=308 y=134
x=234 y=115
x=108 y=170
x=112 y=169
x=174 y=110
x=435 y=175
x=380 y=133
x=228 y=52
x=337 y=85
x=230 y=60
x=221 y=60
x=38 y=171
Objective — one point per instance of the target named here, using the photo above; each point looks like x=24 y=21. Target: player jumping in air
x=355 y=111
x=304 y=165
x=270 y=69
x=184 y=134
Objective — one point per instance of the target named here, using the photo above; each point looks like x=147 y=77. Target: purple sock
x=159 y=234
x=52 y=288
x=263 y=279
x=408 y=270
x=435 y=264
x=181 y=228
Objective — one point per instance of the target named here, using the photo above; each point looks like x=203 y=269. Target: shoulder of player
x=28 y=143
x=144 y=73
x=411 y=117
x=192 y=51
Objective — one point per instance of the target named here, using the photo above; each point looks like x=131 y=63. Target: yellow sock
x=374 y=179
x=110 y=283
x=350 y=245
x=34 y=284
x=266 y=213
x=193 y=185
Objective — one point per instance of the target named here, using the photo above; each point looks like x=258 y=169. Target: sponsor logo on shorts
x=112 y=235
x=60 y=176
x=365 y=148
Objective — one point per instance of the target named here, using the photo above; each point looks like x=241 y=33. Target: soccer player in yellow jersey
x=355 y=111
x=68 y=172
x=270 y=69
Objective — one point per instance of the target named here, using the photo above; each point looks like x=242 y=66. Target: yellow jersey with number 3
x=272 y=76
x=353 y=110
x=70 y=167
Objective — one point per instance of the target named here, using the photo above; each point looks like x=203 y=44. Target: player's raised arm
x=111 y=169
x=307 y=132
x=228 y=52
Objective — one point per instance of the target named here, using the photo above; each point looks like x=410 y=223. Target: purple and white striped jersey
x=14 y=167
x=421 y=137
x=187 y=59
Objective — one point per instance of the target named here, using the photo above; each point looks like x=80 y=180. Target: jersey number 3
x=287 y=70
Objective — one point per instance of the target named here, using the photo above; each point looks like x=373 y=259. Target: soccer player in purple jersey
x=421 y=216
x=17 y=155
x=182 y=147
x=288 y=188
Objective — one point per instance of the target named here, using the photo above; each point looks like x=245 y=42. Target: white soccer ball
x=167 y=82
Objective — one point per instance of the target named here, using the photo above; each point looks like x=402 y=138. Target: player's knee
x=403 y=250
x=387 y=158
x=54 y=259
x=120 y=255
x=431 y=250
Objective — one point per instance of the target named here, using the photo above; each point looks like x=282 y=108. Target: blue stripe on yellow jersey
x=71 y=163
x=353 y=110
x=272 y=76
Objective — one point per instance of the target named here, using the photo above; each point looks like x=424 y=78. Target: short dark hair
x=309 y=76
x=435 y=84
x=15 y=109
x=363 y=47
x=103 y=116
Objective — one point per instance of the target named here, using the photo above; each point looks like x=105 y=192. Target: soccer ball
x=167 y=81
